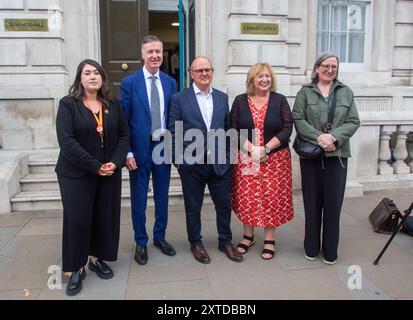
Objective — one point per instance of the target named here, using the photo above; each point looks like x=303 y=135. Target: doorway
x=165 y=25
x=124 y=24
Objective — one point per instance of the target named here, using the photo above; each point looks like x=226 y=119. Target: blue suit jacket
x=185 y=108
x=135 y=105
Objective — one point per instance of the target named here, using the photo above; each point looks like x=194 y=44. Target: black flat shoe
x=141 y=255
x=74 y=285
x=102 y=270
x=165 y=247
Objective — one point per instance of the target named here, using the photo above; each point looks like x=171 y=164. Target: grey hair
x=150 y=38
x=200 y=57
x=323 y=56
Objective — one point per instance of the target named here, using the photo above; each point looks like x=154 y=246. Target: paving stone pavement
x=30 y=244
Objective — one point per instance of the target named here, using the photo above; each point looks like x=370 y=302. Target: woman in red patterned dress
x=262 y=178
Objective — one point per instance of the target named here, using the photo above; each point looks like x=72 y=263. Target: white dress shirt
x=206 y=104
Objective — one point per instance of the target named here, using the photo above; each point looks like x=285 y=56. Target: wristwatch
x=267 y=150
x=335 y=142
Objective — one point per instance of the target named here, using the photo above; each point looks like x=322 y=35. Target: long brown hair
x=77 y=90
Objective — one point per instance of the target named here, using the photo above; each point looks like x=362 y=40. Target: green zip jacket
x=310 y=113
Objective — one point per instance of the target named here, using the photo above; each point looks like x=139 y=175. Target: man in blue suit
x=145 y=97
x=206 y=110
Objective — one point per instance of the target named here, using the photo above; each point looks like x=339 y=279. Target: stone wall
x=389 y=56
x=32 y=70
x=285 y=51
x=37 y=67
x=403 y=39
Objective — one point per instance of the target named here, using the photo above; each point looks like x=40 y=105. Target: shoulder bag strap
x=328 y=126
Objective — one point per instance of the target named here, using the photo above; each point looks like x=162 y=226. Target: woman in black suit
x=93 y=138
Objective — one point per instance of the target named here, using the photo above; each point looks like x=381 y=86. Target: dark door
x=123 y=24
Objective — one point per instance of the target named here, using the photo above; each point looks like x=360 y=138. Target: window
x=341 y=29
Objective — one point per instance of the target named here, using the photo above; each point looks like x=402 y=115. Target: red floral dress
x=262 y=191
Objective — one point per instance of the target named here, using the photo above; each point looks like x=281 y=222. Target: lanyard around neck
x=99 y=120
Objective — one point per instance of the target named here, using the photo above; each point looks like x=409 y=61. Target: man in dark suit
x=145 y=97
x=204 y=109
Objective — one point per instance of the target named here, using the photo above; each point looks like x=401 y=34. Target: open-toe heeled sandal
x=244 y=246
x=268 y=251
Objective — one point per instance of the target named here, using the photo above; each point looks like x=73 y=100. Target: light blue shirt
x=206 y=104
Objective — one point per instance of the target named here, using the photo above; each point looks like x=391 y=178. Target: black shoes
x=102 y=270
x=141 y=252
x=75 y=282
x=141 y=255
x=165 y=247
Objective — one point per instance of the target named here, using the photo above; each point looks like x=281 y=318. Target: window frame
x=351 y=66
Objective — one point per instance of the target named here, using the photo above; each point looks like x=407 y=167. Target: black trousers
x=91 y=218
x=194 y=178
x=323 y=186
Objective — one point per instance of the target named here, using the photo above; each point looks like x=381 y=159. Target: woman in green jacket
x=324 y=180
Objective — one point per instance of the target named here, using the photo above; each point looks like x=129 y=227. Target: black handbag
x=385 y=217
x=310 y=150
x=307 y=149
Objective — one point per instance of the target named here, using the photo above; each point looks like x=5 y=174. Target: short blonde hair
x=253 y=72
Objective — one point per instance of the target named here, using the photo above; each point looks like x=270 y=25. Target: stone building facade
x=374 y=39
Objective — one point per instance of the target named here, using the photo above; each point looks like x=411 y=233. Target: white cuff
x=129 y=155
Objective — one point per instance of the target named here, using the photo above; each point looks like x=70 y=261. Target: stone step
x=48 y=181
x=51 y=200
x=40 y=190
x=40 y=167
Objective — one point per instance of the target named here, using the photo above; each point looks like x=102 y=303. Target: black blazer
x=77 y=140
x=278 y=120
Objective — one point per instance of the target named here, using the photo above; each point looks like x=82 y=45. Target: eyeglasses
x=328 y=66
x=201 y=71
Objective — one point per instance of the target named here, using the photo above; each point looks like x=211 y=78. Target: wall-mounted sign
x=260 y=28
x=28 y=25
